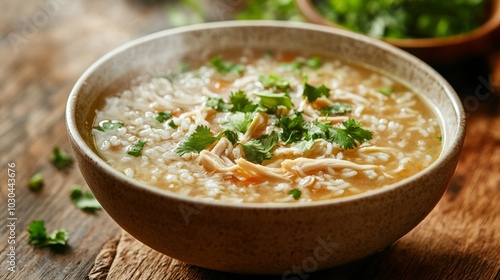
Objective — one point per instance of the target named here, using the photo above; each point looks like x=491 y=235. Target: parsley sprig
x=274 y=81
x=84 y=200
x=108 y=125
x=337 y=108
x=296 y=131
x=197 y=141
x=136 y=149
x=259 y=149
x=38 y=236
x=297 y=65
x=224 y=67
x=61 y=159
x=163 y=116
x=241 y=102
x=311 y=93
x=295 y=193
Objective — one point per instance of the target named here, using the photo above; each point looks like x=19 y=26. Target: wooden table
x=44 y=48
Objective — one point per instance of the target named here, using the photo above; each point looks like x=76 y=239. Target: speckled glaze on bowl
x=263 y=238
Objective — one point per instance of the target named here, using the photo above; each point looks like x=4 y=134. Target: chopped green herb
x=274 y=81
x=197 y=141
x=38 y=236
x=109 y=125
x=272 y=101
x=337 y=108
x=136 y=149
x=295 y=66
x=239 y=121
x=172 y=124
x=225 y=67
x=84 y=200
x=259 y=149
x=217 y=104
x=440 y=138
x=314 y=62
x=231 y=136
x=304 y=145
x=385 y=90
x=163 y=116
x=35 y=183
x=312 y=93
x=241 y=103
x=347 y=137
x=293 y=129
x=350 y=135
x=295 y=193
x=61 y=159
x=406 y=19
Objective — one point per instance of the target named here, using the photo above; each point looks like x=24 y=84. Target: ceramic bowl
x=263 y=238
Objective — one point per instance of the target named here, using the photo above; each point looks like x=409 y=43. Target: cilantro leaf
x=337 y=108
x=225 y=67
x=293 y=129
x=197 y=141
x=347 y=137
x=241 y=103
x=239 y=121
x=218 y=104
x=319 y=130
x=304 y=145
x=274 y=81
x=35 y=183
x=314 y=62
x=385 y=90
x=231 y=136
x=312 y=93
x=84 y=200
x=109 y=125
x=295 y=66
x=295 y=193
x=163 y=116
x=38 y=236
x=136 y=149
x=350 y=135
x=259 y=149
x=172 y=124
x=61 y=159
x=272 y=101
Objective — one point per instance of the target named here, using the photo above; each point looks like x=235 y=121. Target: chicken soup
x=264 y=127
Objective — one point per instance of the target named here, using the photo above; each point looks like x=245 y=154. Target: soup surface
x=267 y=127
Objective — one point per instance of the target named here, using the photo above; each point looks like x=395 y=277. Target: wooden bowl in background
x=484 y=40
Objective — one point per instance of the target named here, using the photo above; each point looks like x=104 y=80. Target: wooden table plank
x=43 y=52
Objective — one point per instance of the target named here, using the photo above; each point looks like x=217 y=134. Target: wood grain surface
x=46 y=45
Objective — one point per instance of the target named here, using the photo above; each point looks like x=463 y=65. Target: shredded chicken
x=257 y=127
x=322 y=102
x=308 y=165
x=213 y=163
x=261 y=171
x=223 y=146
